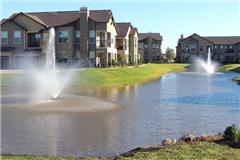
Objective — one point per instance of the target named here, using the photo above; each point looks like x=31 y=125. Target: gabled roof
x=224 y=39
x=10 y=20
x=3 y=21
x=59 y=18
x=35 y=18
x=134 y=30
x=64 y=17
x=217 y=39
x=155 y=36
x=196 y=35
x=123 y=28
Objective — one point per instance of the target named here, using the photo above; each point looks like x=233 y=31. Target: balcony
x=229 y=51
x=103 y=43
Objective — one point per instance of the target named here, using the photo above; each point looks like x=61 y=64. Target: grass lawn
x=107 y=77
x=198 y=150
x=230 y=67
x=233 y=68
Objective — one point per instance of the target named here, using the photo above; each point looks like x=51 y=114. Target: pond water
x=136 y=116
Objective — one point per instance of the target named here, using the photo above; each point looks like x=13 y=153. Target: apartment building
x=225 y=49
x=84 y=37
x=149 y=47
x=127 y=43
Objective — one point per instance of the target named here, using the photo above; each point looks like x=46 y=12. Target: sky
x=170 y=18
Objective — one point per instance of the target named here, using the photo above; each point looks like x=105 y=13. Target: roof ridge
x=220 y=36
x=123 y=22
x=66 y=11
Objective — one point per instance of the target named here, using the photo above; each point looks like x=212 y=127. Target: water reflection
x=178 y=103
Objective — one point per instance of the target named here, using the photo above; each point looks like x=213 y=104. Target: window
x=135 y=41
x=192 y=47
x=100 y=39
x=226 y=46
x=126 y=44
x=221 y=46
x=34 y=39
x=4 y=37
x=17 y=37
x=230 y=47
x=153 y=45
x=91 y=36
x=77 y=36
x=113 y=38
x=216 y=47
x=108 y=39
x=62 y=36
x=145 y=46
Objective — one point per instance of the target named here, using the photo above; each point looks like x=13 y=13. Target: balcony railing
x=103 y=43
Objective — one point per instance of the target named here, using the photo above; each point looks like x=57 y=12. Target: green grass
x=107 y=77
x=198 y=150
x=232 y=68
x=237 y=79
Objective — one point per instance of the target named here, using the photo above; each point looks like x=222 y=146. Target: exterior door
x=4 y=62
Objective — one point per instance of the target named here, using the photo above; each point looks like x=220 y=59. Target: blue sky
x=170 y=18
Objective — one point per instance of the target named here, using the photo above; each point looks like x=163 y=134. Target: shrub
x=109 y=63
x=121 y=60
x=131 y=62
x=113 y=62
x=232 y=132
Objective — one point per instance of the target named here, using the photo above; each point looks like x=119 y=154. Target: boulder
x=187 y=137
x=169 y=141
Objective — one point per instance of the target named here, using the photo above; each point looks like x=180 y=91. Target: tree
x=170 y=54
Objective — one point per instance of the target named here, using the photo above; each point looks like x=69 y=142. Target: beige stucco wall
x=133 y=49
x=112 y=50
x=28 y=23
x=10 y=28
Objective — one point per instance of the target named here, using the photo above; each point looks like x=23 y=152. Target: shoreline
x=168 y=143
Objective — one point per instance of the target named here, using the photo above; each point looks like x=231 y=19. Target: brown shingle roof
x=134 y=30
x=64 y=17
x=155 y=36
x=123 y=28
x=3 y=21
x=224 y=39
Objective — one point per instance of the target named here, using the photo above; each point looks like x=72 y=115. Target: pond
x=140 y=115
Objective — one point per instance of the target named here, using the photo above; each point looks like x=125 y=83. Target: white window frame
x=14 y=42
x=92 y=34
x=75 y=36
x=59 y=37
x=6 y=37
x=40 y=40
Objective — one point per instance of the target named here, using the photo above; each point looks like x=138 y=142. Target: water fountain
x=208 y=66
x=42 y=93
x=48 y=85
x=204 y=66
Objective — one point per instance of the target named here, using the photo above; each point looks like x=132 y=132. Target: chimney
x=181 y=36
x=84 y=55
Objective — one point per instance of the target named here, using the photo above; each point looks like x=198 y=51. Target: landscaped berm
x=107 y=77
x=232 y=68
x=198 y=150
